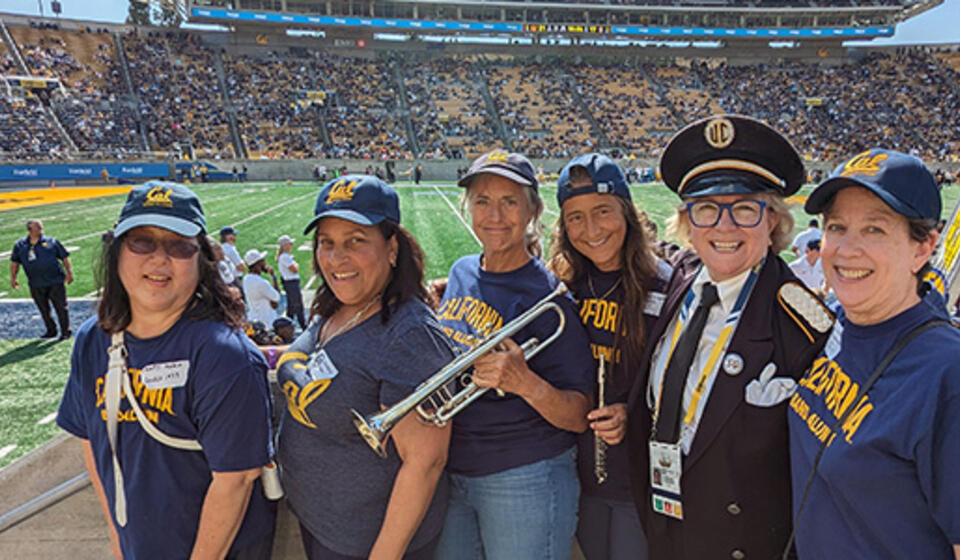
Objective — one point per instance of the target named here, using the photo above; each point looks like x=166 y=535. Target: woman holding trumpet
x=601 y=251
x=514 y=486
x=372 y=340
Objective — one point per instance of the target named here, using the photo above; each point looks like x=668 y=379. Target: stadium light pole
x=40 y=3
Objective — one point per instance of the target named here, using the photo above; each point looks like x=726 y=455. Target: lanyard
x=729 y=325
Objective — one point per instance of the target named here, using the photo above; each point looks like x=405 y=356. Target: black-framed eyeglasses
x=146 y=245
x=744 y=213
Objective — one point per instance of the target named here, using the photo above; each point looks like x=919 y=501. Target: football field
x=33 y=372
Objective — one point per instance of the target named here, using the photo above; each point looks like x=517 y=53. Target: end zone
x=10 y=200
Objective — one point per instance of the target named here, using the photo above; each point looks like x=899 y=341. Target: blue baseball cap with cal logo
x=902 y=181
x=361 y=199
x=162 y=204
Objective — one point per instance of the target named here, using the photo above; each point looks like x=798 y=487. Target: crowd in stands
x=312 y=104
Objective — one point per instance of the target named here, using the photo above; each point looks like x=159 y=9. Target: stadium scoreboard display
x=567 y=28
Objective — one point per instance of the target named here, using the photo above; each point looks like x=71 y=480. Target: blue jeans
x=524 y=513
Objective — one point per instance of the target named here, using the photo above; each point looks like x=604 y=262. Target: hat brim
x=727 y=182
x=344 y=214
x=515 y=177
x=261 y=255
x=821 y=196
x=179 y=226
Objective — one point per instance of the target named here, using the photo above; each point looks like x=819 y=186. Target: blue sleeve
x=232 y=411
x=70 y=414
x=417 y=355
x=15 y=253
x=938 y=455
x=62 y=252
x=567 y=362
x=298 y=353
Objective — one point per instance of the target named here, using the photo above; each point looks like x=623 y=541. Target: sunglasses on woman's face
x=175 y=248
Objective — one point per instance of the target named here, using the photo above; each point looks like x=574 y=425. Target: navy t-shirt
x=496 y=433
x=223 y=403
x=886 y=486
x=41 y=262
x=599 y=296
x=335 y=483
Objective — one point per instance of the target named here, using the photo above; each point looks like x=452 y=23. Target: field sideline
x=33 y=372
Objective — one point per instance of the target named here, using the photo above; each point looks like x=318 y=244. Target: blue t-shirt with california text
x=496 y=433
x=886 y=486
x=222 y=401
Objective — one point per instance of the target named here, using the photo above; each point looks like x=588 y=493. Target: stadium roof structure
x=707 y=20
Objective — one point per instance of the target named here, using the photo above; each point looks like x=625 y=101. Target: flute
x=600 y=446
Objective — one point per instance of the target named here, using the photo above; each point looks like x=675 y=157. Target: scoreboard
x=567 y=28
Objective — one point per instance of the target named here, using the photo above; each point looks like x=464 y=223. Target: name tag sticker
x=165 y=375
x=655 y=301
x=321 y=366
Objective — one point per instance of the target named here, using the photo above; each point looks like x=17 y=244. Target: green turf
x=32 y=373
x=32 y=376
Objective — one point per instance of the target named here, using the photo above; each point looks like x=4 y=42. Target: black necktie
x=675 y=378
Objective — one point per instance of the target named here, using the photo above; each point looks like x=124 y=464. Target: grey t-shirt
x=336 y=485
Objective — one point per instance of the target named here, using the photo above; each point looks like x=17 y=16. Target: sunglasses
x=175 y=248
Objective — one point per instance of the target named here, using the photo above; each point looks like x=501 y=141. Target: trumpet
x=433 y=399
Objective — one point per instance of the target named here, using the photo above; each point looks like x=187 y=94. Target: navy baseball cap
x=902 y=181
x=361 y=199
x=162 y=204
x=228 y=230
x=606 y=177
x=513 y=166
x=731 y=154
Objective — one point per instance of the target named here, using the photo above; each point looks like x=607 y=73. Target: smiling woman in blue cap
x=371 y=340
x=602 y=252
x=707 y=430
x=168 y=395
x=875 y=423
x=514 y=486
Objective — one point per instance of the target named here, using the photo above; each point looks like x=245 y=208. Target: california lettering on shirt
x=477 y=314
x=153 y=401
x=600 y=315
x=827 y=382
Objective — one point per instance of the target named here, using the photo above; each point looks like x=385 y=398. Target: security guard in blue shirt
x=41 y=258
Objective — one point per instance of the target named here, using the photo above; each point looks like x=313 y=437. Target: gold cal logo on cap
x=719 y=133
x=158 y=196
x=498 y=156
x=342 y=190
x=863 y=164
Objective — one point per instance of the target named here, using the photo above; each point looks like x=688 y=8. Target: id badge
x=666 y=467
x=31 y=255
x=321 y=366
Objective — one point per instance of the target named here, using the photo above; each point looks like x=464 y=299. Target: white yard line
x=458 y=215
x=47 y=419
x=5 y=450
x=310 y=282
x=272 y=208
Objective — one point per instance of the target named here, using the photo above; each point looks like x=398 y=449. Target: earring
x=393 y=260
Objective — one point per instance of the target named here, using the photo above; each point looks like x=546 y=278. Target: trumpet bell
x=371 y=431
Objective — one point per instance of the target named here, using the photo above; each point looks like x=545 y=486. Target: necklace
x=353 y=321
x=608 y=292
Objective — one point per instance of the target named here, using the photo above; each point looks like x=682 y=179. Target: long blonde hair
x=534 y=229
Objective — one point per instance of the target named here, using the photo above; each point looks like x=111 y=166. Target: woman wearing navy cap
x=179 y=367
x=707 y=432
x=514 y=486
x=370 y=342
x=886 y=485
x=601 y=251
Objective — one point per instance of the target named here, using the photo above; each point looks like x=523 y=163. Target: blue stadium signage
x=630 y=30
x=83 y=171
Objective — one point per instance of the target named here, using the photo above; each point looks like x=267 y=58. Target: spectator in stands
x=372 y=340
x=290 y=276
x=807 y=267
x=47 y=266
x=263 y=299
x=164 y=309
x=812 y=233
